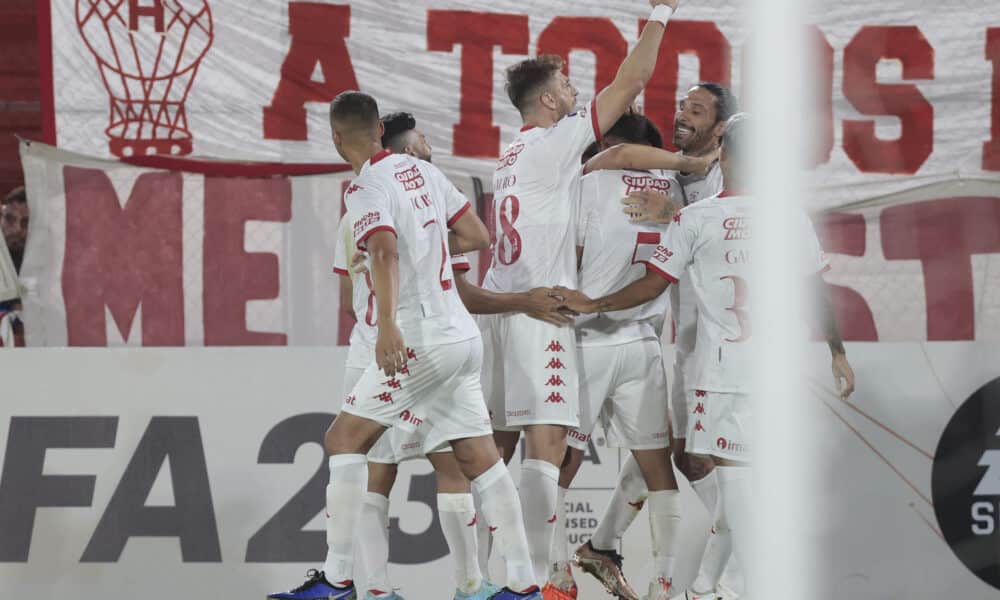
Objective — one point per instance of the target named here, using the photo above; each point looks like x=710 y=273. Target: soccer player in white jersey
x=428 y=353
x=623 y=385
x=534 y=191
x=709 y=242
x=698 y=126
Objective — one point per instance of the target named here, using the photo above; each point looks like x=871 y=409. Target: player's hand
x=544 y=304
x=575 y=300
x=671 y=3
x=390 y=350
x=843 y=375
x=648 y=206
x=358 y=262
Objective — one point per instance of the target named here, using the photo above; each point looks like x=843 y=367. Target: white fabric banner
x=902 y=86
x=198 y=471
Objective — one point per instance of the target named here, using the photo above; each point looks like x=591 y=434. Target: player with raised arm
x=698 y=127
x=709 y=242
x=623 y=385
x=535 y=196
x=428 y=354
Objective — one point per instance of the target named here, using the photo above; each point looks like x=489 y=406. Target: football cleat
x=531 y=593
x=562 y=581
x=486 y=591
x=316 y=587
x=606 y=566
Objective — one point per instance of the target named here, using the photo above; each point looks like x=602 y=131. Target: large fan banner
x=903 y=86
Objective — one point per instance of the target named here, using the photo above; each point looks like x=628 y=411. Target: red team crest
x=147 y=54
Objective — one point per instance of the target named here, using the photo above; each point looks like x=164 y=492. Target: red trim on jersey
x=374 y=159
x=370 y=232
x=459 y=214
x=527 y=128
x=825 y=269
x=593 y=120
x=728 y=194
x=461 y=267
x=660 y=272
x=340 y=271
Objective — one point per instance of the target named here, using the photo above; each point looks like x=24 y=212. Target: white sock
x=734 y=494
x=373 y=537
x=503 y=514
x=484 y=539
x=539 y=493
x=664 y=526
x=560 y=545
x=626 y=502
x=458 y=522
x=348 y=475
x=720 y=542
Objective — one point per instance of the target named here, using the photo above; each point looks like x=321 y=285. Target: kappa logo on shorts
x=384 y=397
x=411 y=354
x=555 y=398
x=552 y=519
x=699 y=409
x=350 y=400
x=698 y=426
x=393 y=383
x=555 y=363
x=700 y=393
x=408 y=417
x=555 y=346
x=555 y=380
x=405 y=370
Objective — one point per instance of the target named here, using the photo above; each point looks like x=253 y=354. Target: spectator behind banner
x=14 y=226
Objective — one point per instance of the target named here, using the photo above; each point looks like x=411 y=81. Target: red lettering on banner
x=477 y=33
x=991 y=149
x=231 y=275
x=596 y=34
x=943 y=235
x=842 y=233
x=905 y=101
x=319 y=33
x=136 y=10
x=123 y=258
x=822 y=116
x=700 y=38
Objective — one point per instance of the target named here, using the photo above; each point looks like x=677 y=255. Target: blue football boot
x=486 y=591
x=317 y=587
x=531 y=593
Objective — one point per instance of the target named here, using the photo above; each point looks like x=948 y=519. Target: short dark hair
x=736 y=137
x=354 y=106
x=726 y=104
x=635 y=128
x=527 y=76
x=15 y=195
x=395 y=125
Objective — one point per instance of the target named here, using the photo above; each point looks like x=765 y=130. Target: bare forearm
x=636 y=293
x=635 y=156
x=828 y=318
x=479 y=301
x=460 y=245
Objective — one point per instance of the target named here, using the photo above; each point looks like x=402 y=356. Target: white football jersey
x=416 y=202
x=535 y=191
x=682 y=301
x=614 y=254
x=711 y=244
